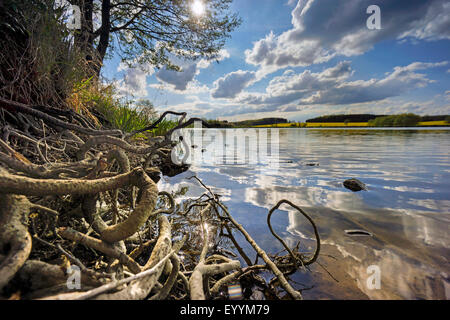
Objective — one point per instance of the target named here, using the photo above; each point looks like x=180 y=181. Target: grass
x=128 y=116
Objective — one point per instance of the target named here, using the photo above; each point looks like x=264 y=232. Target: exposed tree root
x=202 y=271
x=13 y=234
x=13 y=106
x=56 y=163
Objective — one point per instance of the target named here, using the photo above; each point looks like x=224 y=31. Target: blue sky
x=300 y=59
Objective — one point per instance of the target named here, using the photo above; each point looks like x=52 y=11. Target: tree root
x=13 y=234
x=202 y=271
x=117 y=251
x=142 y=283
x=296 y=257
x=20 y=107
x=120 y=231
x=105 y=247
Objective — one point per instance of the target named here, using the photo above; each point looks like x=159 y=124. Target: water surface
x=406 y=207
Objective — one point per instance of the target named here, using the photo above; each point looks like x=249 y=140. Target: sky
x=302 y=59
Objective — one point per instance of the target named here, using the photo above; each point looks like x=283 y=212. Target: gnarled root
x=141 y=284
x=202 y=271
x=14 y=235
x=117 y=232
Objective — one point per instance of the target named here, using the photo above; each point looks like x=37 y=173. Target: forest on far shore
x=398 y=120
x=410 y=117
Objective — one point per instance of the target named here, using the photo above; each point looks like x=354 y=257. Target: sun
x=198 y=8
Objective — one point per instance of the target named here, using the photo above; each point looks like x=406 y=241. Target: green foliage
x=220 y=124
x=100 y=102
x=400 y=120
x=435 y=118
x=343 y=118
x=152 y=32
x=245 y=123
x=259 y=122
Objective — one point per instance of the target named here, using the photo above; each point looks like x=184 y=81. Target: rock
x=312 y=164
x=358 y=232
x=257 y=295
x=354 y=185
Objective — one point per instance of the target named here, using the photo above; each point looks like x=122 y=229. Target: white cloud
x=204 y=63
x=134 y=82
x=192 y=87
x=185 y=79
x=401 y=80
x=323 y=29
x=331 y=86
x=232 y=84
x=179 y=79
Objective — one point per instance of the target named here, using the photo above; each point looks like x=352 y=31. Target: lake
x=406 y=207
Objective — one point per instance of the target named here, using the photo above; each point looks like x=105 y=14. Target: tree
x=146 y=31
x=447 y=119
x=146 y=108
x=400 y=120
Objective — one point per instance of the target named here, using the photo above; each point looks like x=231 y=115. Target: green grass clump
x=126 y=115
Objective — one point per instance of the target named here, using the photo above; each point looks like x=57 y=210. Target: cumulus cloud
x=134 y=80
x=179 y=79
x=192 y=87
x=401 y=80
x=323 y=29
x=182 y=80
x=204 y=63
x=232 y=84
x=333 y=87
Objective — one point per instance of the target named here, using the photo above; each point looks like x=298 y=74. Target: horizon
x=310 y=58
x=337 y=114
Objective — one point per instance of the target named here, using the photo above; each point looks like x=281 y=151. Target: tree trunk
x=104 y=36
x=84 y=38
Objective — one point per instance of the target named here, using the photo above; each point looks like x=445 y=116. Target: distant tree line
x=343 y=118
x=436 y=118
x=404 y=119
x=260 y=122
x=246 y=123
x=399 y=120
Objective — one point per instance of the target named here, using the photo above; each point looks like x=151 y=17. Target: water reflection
x=406 y=208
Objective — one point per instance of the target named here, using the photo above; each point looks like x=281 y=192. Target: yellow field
x=278 y=125
x=339 y=124
x=434 y=123
x=336 y=124
x=314 y=125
